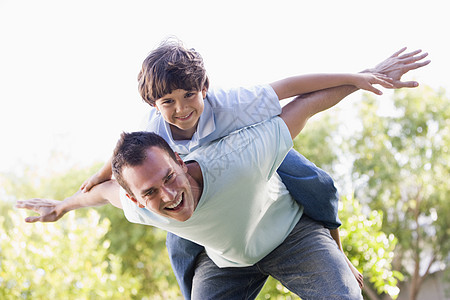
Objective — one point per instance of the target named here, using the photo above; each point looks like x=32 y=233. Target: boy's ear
x=135 y=201
x=204 y=91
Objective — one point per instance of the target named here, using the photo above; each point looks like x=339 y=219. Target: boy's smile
x=182 y=110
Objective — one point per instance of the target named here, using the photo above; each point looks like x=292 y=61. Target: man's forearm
x=297 y=112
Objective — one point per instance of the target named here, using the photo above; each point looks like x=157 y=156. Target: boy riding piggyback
x=188 y=114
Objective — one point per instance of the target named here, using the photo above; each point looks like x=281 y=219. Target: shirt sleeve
x=241 y=107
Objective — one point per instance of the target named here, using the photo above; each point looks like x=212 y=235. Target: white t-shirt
x=245 y=211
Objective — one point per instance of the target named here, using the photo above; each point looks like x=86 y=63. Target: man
x=232 y=203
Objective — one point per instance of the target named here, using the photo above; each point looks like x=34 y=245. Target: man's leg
x=310 y=264
x=212 y=282
x=314 y=189
x=183 y=254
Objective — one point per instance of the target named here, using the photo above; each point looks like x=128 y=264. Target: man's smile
x=177 y=203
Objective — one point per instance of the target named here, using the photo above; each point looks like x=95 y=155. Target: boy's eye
x=168 y=101
x=189 y=95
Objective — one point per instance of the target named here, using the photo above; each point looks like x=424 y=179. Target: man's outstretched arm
x=52 y=210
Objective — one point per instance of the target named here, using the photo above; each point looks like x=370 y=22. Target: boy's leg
x=310 y=264
x=311 y=187
x=183 y=255
x=212 y=282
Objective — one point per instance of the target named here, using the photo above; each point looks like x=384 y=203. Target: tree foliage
x=61 y=261
x=138 y=250
x=402 y=169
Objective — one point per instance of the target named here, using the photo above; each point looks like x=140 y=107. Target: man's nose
x=168 y=194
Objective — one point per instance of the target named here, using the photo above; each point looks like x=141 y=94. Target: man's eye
x=170 y=177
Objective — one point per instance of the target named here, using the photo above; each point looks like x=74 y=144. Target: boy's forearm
x=297 y=112
x=101 y=194
x=303 y=84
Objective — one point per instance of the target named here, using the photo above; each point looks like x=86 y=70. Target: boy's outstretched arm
x=298 y=111
x=394 y=67
x=304 y=84
x=53 y=210
x=104 y=174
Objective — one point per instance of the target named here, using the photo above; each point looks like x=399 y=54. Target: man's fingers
x=406 y=84
x=398 y=52
x=413 y=59
x=407 y=55
x=418 y=65
x=32 y=219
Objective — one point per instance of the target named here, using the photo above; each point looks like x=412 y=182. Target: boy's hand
x=49 y=210
x=366 y=81
x=397 y=65
x=95 y=179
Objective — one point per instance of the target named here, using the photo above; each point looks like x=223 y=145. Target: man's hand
x=48 y=210
x=397 y=65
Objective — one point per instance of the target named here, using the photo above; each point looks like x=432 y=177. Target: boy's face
x=161 y=185
x=182 y=108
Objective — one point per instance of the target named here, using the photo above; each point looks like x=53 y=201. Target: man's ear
x=181 y=162
x=135 y=201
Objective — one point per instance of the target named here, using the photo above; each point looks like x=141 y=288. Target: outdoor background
x=68 y=88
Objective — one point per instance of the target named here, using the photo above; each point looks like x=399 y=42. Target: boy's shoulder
x=230 y=97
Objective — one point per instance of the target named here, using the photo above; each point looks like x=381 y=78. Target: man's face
x=162 y=186
x=182 y=109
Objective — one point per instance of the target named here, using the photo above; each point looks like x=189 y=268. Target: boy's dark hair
x=169 y=67
x=130 y=151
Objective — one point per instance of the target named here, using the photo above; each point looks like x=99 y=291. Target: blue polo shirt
x=225 y=111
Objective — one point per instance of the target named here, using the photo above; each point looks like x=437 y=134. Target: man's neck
x=195 y=176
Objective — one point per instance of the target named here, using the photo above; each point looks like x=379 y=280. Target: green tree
x=60 y=261
x=364 y=242
x=141 y=249
x=402 y=170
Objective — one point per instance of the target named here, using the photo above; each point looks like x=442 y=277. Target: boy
x=187 y=115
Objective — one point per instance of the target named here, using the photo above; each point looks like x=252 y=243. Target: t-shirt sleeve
x=237 y=108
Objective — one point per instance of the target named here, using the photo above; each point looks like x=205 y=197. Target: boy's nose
x=180 y=108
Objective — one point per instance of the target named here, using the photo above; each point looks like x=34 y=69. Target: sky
x=68 y=69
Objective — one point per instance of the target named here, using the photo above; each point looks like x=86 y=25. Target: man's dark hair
x=131 y=150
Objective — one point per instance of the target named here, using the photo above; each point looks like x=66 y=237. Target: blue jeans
x=310 y=186
x=308 y=263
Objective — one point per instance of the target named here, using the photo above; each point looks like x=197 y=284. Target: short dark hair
x=130 y=151
x=169 y=67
